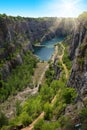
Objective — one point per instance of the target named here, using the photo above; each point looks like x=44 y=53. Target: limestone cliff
x=78 y=52
x=17 y=35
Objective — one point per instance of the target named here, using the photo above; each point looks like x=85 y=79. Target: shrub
x=69 y=95
x=48 y=111
x=3 y=119
x=56 y=84
x=83 y=118
x=25 y=119
x=19 y=78
x=46 y=93
x=67 y=123
x=38 y=125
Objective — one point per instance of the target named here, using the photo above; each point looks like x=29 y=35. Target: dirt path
x=61 y=60
x=31 y=126
x=42 y=75
x=39 y=73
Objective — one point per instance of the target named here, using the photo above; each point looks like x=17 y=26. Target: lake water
x=45 y=52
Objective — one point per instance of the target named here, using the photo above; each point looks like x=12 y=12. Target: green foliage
x=33 y=106
x=46 y=93
x=66 y=59
x=59 y=109
x=60 y=65
x=43 y=125
x=56 y=84
x=50 y=126
x=25 y=119
x=19 y=78
x=69 y=95
x=50 y=75
x=18 y=108
x=48 y=111
x=83 y=16
x=83 y=114
x=38 y=125
x=42 y=101
x=83 y=118
x=59 y=49
x=66 y=123
x=3 y=120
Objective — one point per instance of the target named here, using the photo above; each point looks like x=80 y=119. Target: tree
x=3 y=119
x=48 y=111
x=25 y=119
x=69 y=95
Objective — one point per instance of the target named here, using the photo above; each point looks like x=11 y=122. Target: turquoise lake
x=45 y=52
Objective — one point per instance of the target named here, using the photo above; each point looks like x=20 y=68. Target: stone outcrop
x=57 y=69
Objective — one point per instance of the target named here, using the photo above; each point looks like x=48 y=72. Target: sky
x=43 y=8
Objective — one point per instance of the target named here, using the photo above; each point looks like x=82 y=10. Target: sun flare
x=68 y=6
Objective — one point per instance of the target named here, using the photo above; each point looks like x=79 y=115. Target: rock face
x=57 y=69
x=78 y=77
x=77 y=38
x=18 y=34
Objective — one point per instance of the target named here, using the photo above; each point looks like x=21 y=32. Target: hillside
x=18 y=35
x=60 y=102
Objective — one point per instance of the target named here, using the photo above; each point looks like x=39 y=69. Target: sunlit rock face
x=77 y=38
x=78 y=52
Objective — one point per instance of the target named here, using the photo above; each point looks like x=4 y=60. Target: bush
x=25 y=119
x=83 y=118
x=33 y=106
x=55 y=85
x=50 y=73
x=69 y=95
x=3 y=119
x=46 y=93
x=48 y=111
x=19 y=78
x=49 y=126
x=83 y=114
x=38 y=125
x=67 y=123
x=66 y=59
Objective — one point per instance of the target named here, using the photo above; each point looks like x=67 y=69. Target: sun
x=65 y=8
x=68 y=6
